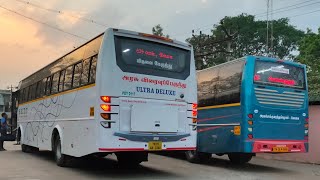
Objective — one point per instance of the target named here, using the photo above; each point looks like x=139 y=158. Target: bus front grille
x=275 y=98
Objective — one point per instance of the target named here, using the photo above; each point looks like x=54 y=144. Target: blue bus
x=251 y=105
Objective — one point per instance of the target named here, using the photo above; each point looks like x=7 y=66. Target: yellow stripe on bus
x=219 y=106
x=59 y=94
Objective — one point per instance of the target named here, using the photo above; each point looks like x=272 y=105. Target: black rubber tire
x=24 y=148
x=28 y=149
x=198 y=157
x=61 y=159
x=240 y=158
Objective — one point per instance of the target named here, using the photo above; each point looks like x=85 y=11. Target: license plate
x=280 y=149
x=155 y=146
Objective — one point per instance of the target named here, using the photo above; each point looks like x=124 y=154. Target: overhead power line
x=275 y=11
x=311 y=12
x=290 y=9
x=62 y=12
x=43 y=23
x=287 y=7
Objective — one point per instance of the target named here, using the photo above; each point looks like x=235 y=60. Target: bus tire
x=24 y=148
x=198 y=157
x=240 y=158
x=61 y=159
x=28 y=149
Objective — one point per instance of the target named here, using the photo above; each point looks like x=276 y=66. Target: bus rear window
x=279 y=74
x=146 y=57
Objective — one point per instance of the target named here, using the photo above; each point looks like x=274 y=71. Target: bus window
x=44 y=84
x=144 y=57
x=68 y=78
x=207 y=81
x=93 y=69
x=77 y=75
x=276 y=74
x=38 y=89
x=48 y=85
x=23 y=95
x=85 y=72
x=61 y=79
x=55 y=83
x=228 y=88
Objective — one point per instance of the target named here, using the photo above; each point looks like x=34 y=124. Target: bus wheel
x=24 y=148
x=28 y=149
x=61 y=159
x=130 y=159
x=240 y=158
x=198 y=157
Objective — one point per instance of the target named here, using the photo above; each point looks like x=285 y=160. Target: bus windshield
x=279 y=74
x=146 y=57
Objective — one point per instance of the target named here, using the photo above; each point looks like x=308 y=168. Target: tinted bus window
x=93 y=69
x=38 y=89
x=279 y=74
x=77 y=75
x=55 y=83
x=85 y=72
x=228 y=88
x=68 y=78
x=44 y=84
x=61 y=79
x=207 y=81
x=145 y=57
x=48 y=86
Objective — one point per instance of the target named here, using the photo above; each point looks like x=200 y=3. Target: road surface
x=15 y=165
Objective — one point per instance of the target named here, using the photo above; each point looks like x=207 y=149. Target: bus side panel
x=219 y=139
x=69 y=113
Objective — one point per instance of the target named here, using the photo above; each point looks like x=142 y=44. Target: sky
x=26 y=45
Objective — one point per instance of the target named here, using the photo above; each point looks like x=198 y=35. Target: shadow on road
x=105 y=167
x=220 y=162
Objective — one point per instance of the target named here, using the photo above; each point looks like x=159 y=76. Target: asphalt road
x=15 y=165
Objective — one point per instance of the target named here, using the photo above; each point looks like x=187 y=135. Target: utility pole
x=267 y=47
x=271 y=45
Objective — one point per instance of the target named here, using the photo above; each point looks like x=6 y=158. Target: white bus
x=123 y=92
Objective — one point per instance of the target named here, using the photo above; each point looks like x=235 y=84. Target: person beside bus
x=3 y=129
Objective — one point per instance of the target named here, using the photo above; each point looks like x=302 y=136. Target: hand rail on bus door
x=208 y=125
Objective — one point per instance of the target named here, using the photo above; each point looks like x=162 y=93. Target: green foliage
x=235 y=37
x=158 y=30
x=309 y=48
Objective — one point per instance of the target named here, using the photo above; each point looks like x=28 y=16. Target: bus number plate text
x=280 y=149
x=155 y=146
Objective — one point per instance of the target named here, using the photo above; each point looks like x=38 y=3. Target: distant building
x=5 y=101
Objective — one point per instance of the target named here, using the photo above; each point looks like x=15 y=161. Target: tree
x=158 y=30
x=309 y=48
x=242 y=35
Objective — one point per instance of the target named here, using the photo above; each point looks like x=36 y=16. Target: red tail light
x=106 y=99
x=250 y=136
x=307 y=119
x=250 y=116
x=105 y=116
x=194 y=106
x=194 y=113
x=105 y=107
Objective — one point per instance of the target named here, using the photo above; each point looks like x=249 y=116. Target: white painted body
x=136 y=115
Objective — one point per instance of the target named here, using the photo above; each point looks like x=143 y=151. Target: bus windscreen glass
x=146 y=57
x=279 y=74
